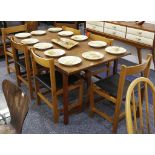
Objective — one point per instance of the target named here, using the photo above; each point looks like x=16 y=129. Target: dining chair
x=22 y=66
x=7 y=46
x=32 y=25
x=146 y=118
x=18 y=104
x=75 y=31
x=52 y=81
x=96 y=71
x=73 y=24
x=114 y=88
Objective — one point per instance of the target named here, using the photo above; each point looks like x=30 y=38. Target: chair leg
x=7 y=63
x=55 y=110
x=36 y=85
x=108 y=69
x=91 y=100
x=80 y=95
x=116 y=117
x=17 y=69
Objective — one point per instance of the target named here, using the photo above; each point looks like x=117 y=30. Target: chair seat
x=7 y=129
x=45 y=80
x=110 y=85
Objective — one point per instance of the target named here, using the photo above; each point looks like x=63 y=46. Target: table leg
x=88 y=80
x=65 y=98
x=139 y=53
x=115 y=66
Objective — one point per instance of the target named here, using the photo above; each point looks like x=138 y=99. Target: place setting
x=70 y=60
x=116 y=50
x=43 y=46
x=97 y=44
x=92 y=55
x=38 y=32
x=54 y=52
x=29 y=41
x=65 y=33
x=55 y=29
x=79 y=37
x=22 y=35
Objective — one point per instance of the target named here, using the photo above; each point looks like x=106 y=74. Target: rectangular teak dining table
x=69 y=70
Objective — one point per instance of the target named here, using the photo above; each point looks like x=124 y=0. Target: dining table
x=85 y=64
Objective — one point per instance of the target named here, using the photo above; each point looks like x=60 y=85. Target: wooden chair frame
x=132 y=106
x=75 y=31
x=5 y=33
x=49 y=64
x=19 y=76
x=109 y=43
x=125 y=71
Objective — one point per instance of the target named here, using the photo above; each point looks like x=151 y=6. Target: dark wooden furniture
x=53 y=83
x=140 y=36
x=114 y=89
x=18 y=104
x=23 y=67
x=144 y=123
x=7 y=48
x=67 y=71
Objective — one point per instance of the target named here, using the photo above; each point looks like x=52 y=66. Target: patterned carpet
x=39 y=118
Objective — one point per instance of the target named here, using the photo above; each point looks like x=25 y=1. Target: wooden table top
x=75 y=51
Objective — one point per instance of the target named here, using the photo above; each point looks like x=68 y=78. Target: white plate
x=38 y=32
x=43 y=46
x=97 y=43
x=79 y=37
x=92 y=55
x=55 y=29
x=115 y=50
x=29 y=41
x=69 y=60
x=23 y=35
x=65 y=33
x=54 y=52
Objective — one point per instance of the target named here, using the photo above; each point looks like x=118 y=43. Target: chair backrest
x=18 y=104
x=32 y=25
x=72 y=24
x=135 y=105
x=47 y=63
x=75 y=31
x=18 y=46
x=101 y=38
x=11 y=30
x=143 y=68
